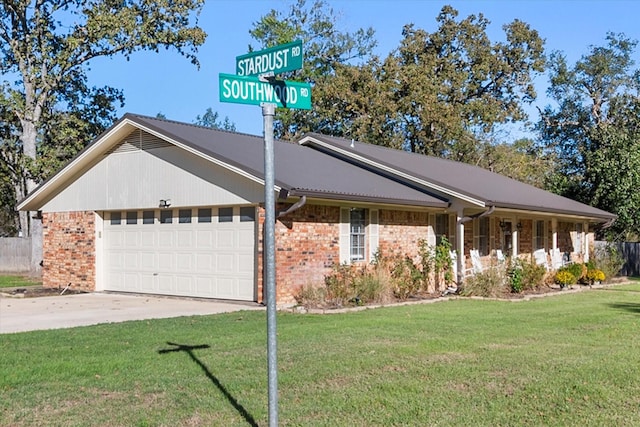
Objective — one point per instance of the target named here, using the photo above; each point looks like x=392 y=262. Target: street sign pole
x=268 y=111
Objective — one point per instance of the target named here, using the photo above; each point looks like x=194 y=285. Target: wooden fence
x=15 y=255
x=630 y=252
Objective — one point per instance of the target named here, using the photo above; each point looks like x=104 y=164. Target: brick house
x=161 y=207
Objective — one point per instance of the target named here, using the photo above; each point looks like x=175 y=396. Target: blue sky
x=166 y=83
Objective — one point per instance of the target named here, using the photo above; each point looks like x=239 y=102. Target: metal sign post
x=246 y=88
x=268 y=111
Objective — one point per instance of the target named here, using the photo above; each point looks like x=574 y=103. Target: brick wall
x=307 y=246
x=400 y=231
x=69 y=250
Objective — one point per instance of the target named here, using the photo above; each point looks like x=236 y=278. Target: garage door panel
x=204 y=263
x=184 y=262
x=184 y=239
x=202 y=259
x=147 y=260
x=184 y=285
x=166 y=238
x=147 y=282
x=204 y=239
x=225 y=239
x=131 y=239
x=165 y=261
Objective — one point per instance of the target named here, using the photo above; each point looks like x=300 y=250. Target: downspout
x=297 y=205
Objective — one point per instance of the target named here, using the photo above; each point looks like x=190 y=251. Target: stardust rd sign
x=278 y=59
x=250 y=90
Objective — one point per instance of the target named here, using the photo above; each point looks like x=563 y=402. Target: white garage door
x=200 y=252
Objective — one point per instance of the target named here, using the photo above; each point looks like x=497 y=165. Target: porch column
x=554 y=234
x=515 y=236
x=460 y=243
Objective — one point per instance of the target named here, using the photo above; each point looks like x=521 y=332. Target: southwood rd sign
x=251 y=90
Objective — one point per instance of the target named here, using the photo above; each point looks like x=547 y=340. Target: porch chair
x=476 y=263
x=557 y=260
x=500 y=256
x=540 y=256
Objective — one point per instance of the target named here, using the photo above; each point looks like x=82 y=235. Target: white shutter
x=476 y=232
x=373 y=233
x=431 y=233
x=345 y=236
x=492 y=234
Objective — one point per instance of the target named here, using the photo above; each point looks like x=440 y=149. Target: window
x=442 y=227
x=147 y=217
x=225 y=215
x=132 y=217
x=204 y=215
x=247 y=214
x=184 y=216
x=116 y=218
x=357 y=234
x=483 y=236
x=166 y=216
x=538 y=235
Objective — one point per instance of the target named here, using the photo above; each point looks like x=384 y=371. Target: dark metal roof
x=491 y=188
x=301 y=170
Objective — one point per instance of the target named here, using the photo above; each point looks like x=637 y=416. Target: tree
x=211 y=119
x=595 y=130
x=454 y=85
x=523 y=160
x=47 y=46
x=325 y=49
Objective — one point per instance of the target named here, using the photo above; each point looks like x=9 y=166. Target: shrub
x=515 y=277
x=532 y=275
x=407 y=278
x=577 y=269
x=310 y=295
x=564 y=277
x=489 y=283
x=595 y=275
x=608 y=259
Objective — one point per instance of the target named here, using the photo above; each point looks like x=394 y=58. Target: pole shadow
x=626 y=306
x=189 y=349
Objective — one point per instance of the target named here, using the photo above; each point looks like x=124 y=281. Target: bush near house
x=386 y=279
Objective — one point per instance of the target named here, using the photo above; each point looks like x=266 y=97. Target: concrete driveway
x=30 y=314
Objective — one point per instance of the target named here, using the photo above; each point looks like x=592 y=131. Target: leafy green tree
x=325 y=49
x=594 y=130
x=455 y=85
x=211 y=119
x=523 y=160
x=45 y=50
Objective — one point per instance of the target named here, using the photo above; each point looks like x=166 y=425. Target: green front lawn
x=17 y=282
x=568 y=360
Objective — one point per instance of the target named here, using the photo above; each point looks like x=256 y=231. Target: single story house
x=162 y=207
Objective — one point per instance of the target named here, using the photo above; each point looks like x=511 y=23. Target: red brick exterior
x=400 y=232
x=69 y=250
x=307 y=245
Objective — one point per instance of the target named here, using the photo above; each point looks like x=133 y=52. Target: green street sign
x=251 y=90
x=277 y=59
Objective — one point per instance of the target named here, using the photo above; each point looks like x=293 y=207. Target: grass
x=558 y=361
x=17 y=282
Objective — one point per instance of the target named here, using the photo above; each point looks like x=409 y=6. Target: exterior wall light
x=165 y=203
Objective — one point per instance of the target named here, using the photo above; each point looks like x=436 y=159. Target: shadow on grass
x=189 y=350
x=627 y=306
